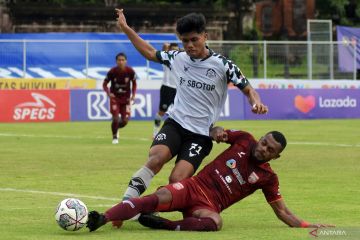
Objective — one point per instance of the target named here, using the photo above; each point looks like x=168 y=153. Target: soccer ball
x=71 y=214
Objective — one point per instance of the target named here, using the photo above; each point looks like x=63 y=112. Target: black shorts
x=187 y=145
x=167 y=96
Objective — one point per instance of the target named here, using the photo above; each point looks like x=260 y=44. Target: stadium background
x=59 y=52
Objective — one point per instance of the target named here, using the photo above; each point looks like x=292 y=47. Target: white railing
x=257 y=59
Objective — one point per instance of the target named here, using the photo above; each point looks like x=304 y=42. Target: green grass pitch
x=319 y=176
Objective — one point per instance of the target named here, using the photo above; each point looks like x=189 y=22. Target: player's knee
x=218 y=221
x=182 y=170
x=164 y=195
x=178 y=176
x=123 y=123
x=116 y=118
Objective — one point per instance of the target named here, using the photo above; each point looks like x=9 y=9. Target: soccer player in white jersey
x=202 y=78
x=167 y=90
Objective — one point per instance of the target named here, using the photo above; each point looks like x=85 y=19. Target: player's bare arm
x=107 y=90
x=254 y=99
x=133 y=92
x=148 y=51
x=285 y=215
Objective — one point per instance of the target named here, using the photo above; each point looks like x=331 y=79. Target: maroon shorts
x=119 y=106
x=187 y=197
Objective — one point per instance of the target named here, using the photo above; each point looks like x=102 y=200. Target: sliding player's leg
x=166 y=145
x=129 y=208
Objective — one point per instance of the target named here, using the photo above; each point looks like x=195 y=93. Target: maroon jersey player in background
x=121 y=94
x=235 y=174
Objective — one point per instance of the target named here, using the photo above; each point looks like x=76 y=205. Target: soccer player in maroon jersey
x=121 y=97
x=235 y=174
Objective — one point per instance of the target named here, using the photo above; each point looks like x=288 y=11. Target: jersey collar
x=211 y=52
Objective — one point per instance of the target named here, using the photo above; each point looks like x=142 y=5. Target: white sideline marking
x=67 y=137
x=148 y=139
x=58 y=194
x=32 y=208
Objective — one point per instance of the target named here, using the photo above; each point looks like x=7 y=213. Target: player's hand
x=111 y=95
x=132 y=100
x=218 y=134
x=121 y=20
x=259 y=108
x=319 y=225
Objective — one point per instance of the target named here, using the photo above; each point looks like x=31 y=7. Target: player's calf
x=123 y=123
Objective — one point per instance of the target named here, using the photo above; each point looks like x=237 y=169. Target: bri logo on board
x=306 y=103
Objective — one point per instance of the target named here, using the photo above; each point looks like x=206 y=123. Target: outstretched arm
x=254 y=100
x=148 y=51
x=285 y=215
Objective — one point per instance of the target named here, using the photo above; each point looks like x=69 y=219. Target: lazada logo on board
x=306 y=103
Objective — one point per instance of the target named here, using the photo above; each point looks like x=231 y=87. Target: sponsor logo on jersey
x=253 y=178
x=42 y=108
x=200 y=85
x=241 y=154
x=186 y=68
x=231 y=163
x=160 y=137
x=228 y=179
x=211 y=73
x=224 y=181
x=178 y=186
x=238 y=176
x=182 y=80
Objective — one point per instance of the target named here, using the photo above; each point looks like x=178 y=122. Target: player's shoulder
x=225 y=61
x=272 y=177
x=241 y=134
x=112 y=69
x=129 y=69
x=177 y=53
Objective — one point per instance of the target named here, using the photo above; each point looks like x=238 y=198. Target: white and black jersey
x=169 y=79
x=201 y=87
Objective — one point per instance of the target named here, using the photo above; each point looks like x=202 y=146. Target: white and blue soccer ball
x=71 y=214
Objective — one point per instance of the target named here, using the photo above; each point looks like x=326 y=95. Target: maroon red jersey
x=120 y=81
x=234 y=175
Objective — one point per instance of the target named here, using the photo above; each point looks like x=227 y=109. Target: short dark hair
x=121 y=55
x=279 y=137
x=173 y=45
x=192 y=22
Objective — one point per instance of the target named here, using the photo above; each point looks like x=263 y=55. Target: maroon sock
x=114 y=128
x=131 y=207
x=192 y=224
